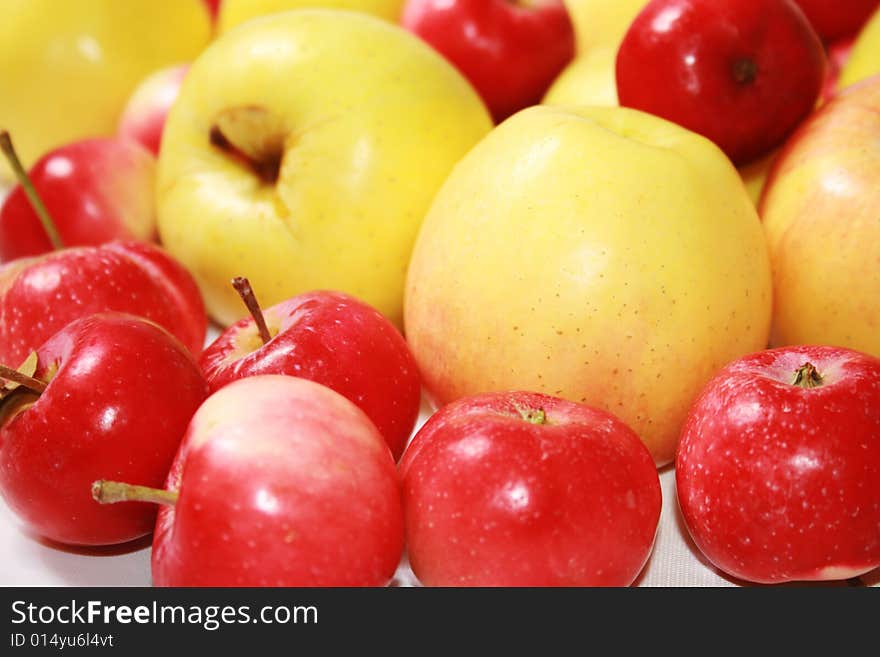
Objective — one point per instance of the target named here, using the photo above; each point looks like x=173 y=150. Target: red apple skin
x=491 y=499
x=143 y=118
x=510 y=52
x=96 y=191
x=680 y=60
x=838 y=55
x=213 y=7
x=838 y=19
x=124 y=392
x=282 y=482
x=777 y=482
x=39 y=296
x=335 y=340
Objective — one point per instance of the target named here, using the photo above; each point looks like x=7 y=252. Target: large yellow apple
x=821 y=211
x=67 y=68
x=599 y=254
x=304 y=151
x=589 y=80
x=602 y=22
x=234 y=12
x=864 y=61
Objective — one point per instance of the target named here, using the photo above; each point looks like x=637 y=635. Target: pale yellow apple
x=864 y=61
x=234 y=12
x=821 y=211
x=589 y=80
x=754 y=175
x=67 y=68
x=598 y=254
x=602 y=22
x=304 y=151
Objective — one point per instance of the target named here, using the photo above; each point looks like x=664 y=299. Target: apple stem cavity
x=243 y=286
x=533 y=416
x=34 y=385
x=745 y=70
x=807 y=376
x=29 y=190
x=111 y=492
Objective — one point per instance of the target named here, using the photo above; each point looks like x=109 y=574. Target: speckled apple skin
x=491 y=499
x=778 y=482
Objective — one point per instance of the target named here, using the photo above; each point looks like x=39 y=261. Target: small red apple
x=39 y=296
x=742 y=73
x=95 y=190
x=143 y=118
x=511 y=51
x=279 y=482
x=838 y=19
x=778 y=470
x=522 y=489
x=117 y=394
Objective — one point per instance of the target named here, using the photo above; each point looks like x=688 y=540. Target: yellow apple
x=67 y=68
x=821 y=212
x=598 y=254
x=864 y=61
x=233 y=12
x=588 y=80
x=602 y=22
x=303 y=152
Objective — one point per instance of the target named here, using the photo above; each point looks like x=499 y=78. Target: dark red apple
x=95 y=191
x=778 y=469
x=118 y=394
x=335 y=340
x=510 y=50
x=39 y=296
x=838 y=19
x=279 y=482
x=742 y=73
x=522 y=489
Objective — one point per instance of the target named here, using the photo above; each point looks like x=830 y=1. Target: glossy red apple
x=95 y=191
x=742 y=73
x=511 y=51
x=279 y=482
x=119 y=393
x=143 y=118
x=522 y=489
x=779 y=464
x=39 y=296
x=838 y=19
x=335 y=340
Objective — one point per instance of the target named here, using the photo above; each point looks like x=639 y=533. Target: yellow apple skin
x=754 y=175
x=602 y=22
x=589 y=80
x=234 y=12
x=368 y=122
x=864 y=61
x=821 y=213
x=602 y=255
x=68 y=68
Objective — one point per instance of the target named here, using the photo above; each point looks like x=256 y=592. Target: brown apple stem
x=111 y=492
x=807 y=376
x=29 y=382
x=243 y=287
x=29 y=189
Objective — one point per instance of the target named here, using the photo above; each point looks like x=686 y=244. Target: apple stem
x=29 y=189
x=111 y=492
x=807 y=376
x=29 y=382
x=243 y=286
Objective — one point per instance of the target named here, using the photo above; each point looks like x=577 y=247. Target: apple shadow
x=124 y=564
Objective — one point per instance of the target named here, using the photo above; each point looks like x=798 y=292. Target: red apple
x=838 y=55
x=335 y=340
x=510 y=51
x=143 y=118
x=95 y=190
x=837 y=19
x=279 y=482
x=742 y=73
x=39 y=296
x=779 y=464
x=522 y=489
x=119 y=392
